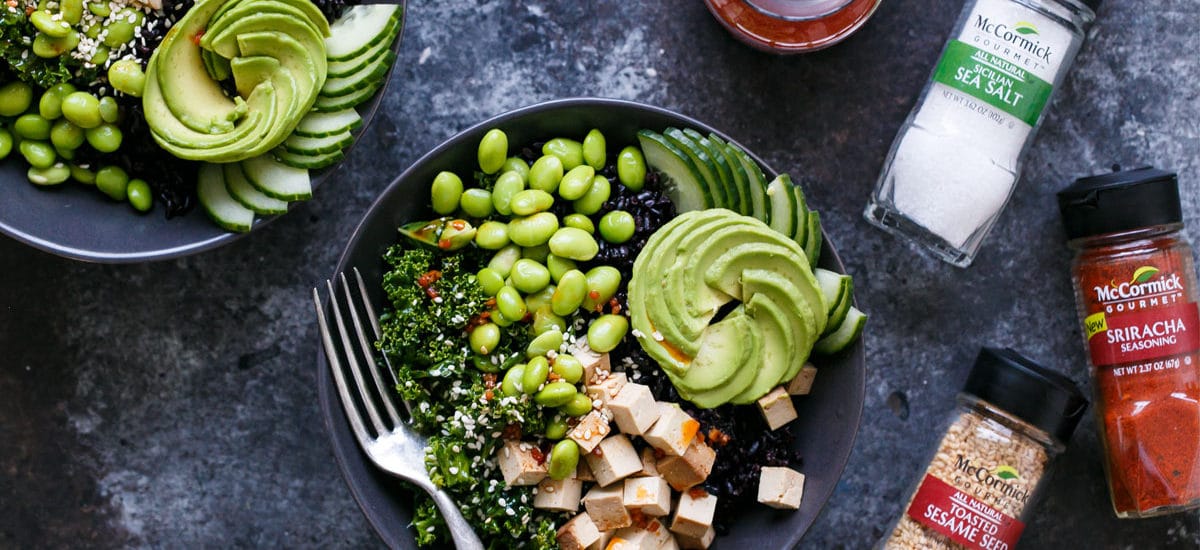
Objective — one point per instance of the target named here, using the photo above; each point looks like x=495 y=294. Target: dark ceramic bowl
x=79 y=222
x=828 y=419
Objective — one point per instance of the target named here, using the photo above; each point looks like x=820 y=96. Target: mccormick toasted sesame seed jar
x=1013 y=418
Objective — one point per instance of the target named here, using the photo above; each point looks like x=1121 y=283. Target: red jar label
x=1142 y=319
x=962 y=517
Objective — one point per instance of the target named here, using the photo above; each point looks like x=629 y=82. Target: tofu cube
x=590 y=431
x=560 y=496
x=634 y=408
x=649 y=463
x=780 y=487
x=616 y=460
x=659 y=536
x=777 y=408
x=578 y=534
x=583 y=472
x=694 y=513
x=630 y=538
x=674 y=430
x=689 y=470
x=651 y=495
x=604 y=389
x=802 y=383
x=602 y=544
x=696 y=543
x=518 y=466
x=606 y=507
x=594 y=364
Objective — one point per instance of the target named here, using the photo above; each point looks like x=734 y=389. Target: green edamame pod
x=603 y=281
x=15 y=98
x=82 y=109
x=113 y=181
x=545 y=342
x=570 y=294
x=574 y=244
x=484 y=338
x=127 y=77
x=529 y=276
x=510 y=385
x=506 y=187
x=38 y=154
x=579 y=221
x=510 y=304
x=553 y=394
x=536 y=372
x=139 y=195
x=72 y=11
x=66 y=136
x=446 y=192
x=558 y=266
x=631 y=168
x=53 y=175
x=110 y=112
x=531 y=201
x=489 y=280
x=49 y=47
x=492 y=235
x=545 y=173
x=579 y=405
x=503 y=260
x=493 y=151
x=516 y=164
x=576 y=183
x=45 y=22
x=6 y=143
x=564 y=459
x=533 y=230
x=569 y=151
x=32 y=126
x=83 y=175
x=545 y=320
x=541 y=299
x=476 y=203
x=105 y=138
x=595 y=149
x=568 y=367
x=606 y=331
x=555 y=429
x=595 y=198
x=617 y=226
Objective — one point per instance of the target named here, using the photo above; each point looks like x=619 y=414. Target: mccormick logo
x=1140 y=285
x=998 y=479
x=1019 y=35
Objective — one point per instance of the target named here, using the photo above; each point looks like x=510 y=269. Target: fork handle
x=460 y=530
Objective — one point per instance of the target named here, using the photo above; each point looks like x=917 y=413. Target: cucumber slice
x=226 y=212
x=800 y=233
x=308 y=162
x=240 y=189
x=724 y=174
x=358 y=62
x=318 y=125
x=683 y=185
x=783 y=206
x=302 y=145
x=369 y=76
x=703 y=164
x=277 y=180
x=813 y=238
x=847 y=332
x=361 y=27
x=741 y=183
x=760 y=205
x=349 y=101
x=838 y=291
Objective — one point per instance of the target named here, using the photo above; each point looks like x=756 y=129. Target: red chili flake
x=196 y=37
x=432 y=293
x=718 y=437
x=488 y=395
x=553 y=377
x=489 y=380
x=458 y=224
x=538 y=455
x=594 y=294
x=428 y=278
x=697 y=492
x=615 y=306
x=490 y=303
x=597 y=452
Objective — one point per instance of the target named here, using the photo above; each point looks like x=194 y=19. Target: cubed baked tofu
x=578 y=534
x=649 y=462
x=780 y=487
x=606 y=506
x=777 y=408
x=616 y=460
x=673 y=431
x=696 y=543
x=583 y=472
x=694 y=513
x=604 y=389
x=595 y=364
x=590 y=431
x=630 y=538
x=802 y=383
x=660 y=537
x=651 y=495
x=560 y=496
x=602 y=544
x=634 y=408
x=518 y=466
x=689 y=470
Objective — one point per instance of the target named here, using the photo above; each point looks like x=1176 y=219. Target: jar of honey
x=792 y=26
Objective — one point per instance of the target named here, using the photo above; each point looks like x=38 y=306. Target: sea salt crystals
x=956 y=160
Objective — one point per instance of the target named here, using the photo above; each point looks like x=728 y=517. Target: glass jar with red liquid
x=792 y=26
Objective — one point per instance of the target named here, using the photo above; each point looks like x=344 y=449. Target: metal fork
x=383 y=435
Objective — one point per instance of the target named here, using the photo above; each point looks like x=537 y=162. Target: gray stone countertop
x=173 y=404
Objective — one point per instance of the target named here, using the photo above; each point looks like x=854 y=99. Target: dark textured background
x=173 y=404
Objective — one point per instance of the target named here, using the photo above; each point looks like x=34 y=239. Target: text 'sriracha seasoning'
x=1136 y=292
x=1013 y=418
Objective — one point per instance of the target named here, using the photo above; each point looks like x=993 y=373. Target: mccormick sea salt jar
x=1013 y=418
x=956 y=160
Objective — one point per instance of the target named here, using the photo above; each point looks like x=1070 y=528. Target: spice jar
x=792 y=26
x=1013 y=418
x=1135 y=287
x=956 y=160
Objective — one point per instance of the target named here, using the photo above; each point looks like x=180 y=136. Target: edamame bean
x=15 y=98
x=516 y=164
x=579 y=405
x=595 y=198
x=6 y=143
x=510 y=304
x=493 y=151
x=540 y=300
x=574 y=244
x=579 y=221
x=100 y=9
x=83 y=175
x=558 y=266
x=555 y=429
x=510 y=385
x=50 y=105
x=476 y=202
x=575 y=183
x=569 y=295
x=533 y=230
x=529 y=276
x=507 y=186
x=110 y=112
x=66 y=136
x=631 y=168
x=606 y=332
x=503 y=260
x=32 y=126
x=65 y=154
x=564 y=459
x=602 y=284
x=492 y=235
x=38 y=154
x=617 y=226
x=531 y=201
x=46 y=23
x=484 y=363
x=554 y=394
x=100 y=56
x=120 y=28
x=112 y=181
x=127 y=77
x=49 y=47
x=82 y=109
x=500 y=319
x=72 y=11
x=543 y=343
x=446 y=191
x=455 y=235
x=536 y=372
x=139 y=195
x=568 y=367
x=537 y=253
x=484 y=338
x=569 y=151
x=595 y=149
x=489 y=280
x=53 y=175
x=545 y=173
x=105 y=138
x=545 y=320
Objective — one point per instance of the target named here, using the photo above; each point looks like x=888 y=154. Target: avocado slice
x=728 y=273
x=184 y=142
x=745 y=369
x=724 y=348
x=784 y=293
x=196 y=100
x=645 y=280
x=779 y=346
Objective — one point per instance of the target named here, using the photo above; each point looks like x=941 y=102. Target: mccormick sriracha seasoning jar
x=1135 y=286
